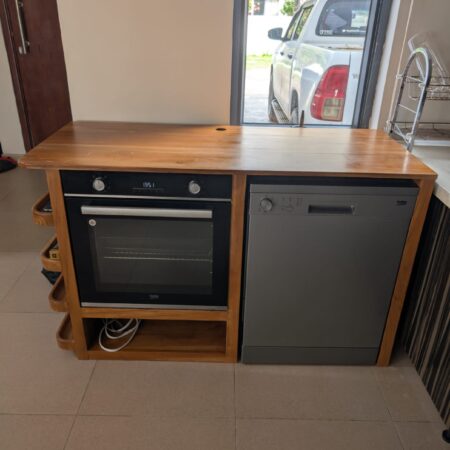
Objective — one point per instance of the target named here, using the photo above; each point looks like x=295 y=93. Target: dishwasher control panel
x=276 y=203
x=330 y=200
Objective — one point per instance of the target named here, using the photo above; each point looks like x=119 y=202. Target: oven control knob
x=194 y=187
x=266 y=204
x=99 y=185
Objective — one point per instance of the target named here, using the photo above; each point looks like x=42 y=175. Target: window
x=291 y=28
x=290 y=66
x=303 y=18
x=344 y=18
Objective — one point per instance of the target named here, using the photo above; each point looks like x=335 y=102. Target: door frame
x=380 y=11
x=240 y=12
x=5 y=15
x=22 y=71
x=373 y=52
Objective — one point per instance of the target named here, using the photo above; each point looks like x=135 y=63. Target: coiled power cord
x=115 y=329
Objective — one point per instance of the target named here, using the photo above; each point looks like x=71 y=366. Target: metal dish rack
x=417 y=86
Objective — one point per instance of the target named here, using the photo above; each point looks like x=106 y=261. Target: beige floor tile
x=12 y=266
x=144 y=433
x=3 y=194
x=18 y=233
x=30 y=292
x=263 y=434
x=35 y=375
x=36 y=432
x=30 y=183
x=21 y=199
x=421 y=436
x=160 y=389
x=405 y=395
x=19 y=190
x=308 y=392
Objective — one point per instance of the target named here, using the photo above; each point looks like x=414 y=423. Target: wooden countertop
x=248 y=149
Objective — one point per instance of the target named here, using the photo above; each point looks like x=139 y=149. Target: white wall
x=10 y=131
x=414 y=16
x=148 y=60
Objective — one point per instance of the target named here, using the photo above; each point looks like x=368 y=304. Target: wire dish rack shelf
x=418 y=85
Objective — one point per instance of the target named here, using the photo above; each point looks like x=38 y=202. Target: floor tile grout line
x=5 y=295
x=380 y=387
x=69 y=433
x=286 y=419
x=79 y=406
x=399 y=437
x=86 y=388
x=316 y=419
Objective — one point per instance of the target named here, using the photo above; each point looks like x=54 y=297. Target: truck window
x=291 y=27
x=344 y=18
x=301 y=23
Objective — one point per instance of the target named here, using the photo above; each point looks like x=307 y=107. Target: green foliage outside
x=258 y=61
x=289 y=7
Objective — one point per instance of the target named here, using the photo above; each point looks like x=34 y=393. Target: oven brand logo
x=153 y=296
x=149 y=184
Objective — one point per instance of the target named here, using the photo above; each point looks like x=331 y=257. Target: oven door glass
x=160 y=255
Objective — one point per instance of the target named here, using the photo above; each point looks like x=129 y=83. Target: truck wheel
x=270 y=110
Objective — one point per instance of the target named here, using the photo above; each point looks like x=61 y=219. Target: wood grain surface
x=249 y=149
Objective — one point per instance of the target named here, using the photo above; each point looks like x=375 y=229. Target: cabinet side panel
x=62 y=233
x=235 y=274
x=409 y=253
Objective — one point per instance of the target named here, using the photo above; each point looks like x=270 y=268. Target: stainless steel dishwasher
x=321 y=264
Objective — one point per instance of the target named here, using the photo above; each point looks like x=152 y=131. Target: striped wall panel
x=426 y=323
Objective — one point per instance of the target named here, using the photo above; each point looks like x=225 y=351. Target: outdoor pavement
x=256 y=92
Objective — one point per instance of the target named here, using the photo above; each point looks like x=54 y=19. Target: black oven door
x=150 y=253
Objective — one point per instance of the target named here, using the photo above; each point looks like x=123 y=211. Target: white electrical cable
x=115 y=329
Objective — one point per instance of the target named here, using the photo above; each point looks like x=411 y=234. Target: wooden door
x=36 y=58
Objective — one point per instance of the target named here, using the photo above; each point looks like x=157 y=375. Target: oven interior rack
x=417 y=86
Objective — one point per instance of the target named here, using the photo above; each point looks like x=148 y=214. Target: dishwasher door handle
x=347 y=210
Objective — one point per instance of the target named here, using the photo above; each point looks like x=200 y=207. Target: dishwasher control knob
x=266 y=204
x=194 y=187
x=99 y=185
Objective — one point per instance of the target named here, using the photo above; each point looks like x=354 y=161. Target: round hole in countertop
x=221 y=129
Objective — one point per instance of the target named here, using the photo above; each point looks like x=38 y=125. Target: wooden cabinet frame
x=236 y=151
x=80 y=316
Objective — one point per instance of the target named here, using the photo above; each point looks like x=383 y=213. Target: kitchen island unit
x=236 y=152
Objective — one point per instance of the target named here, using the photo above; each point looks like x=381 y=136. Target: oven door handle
x=146 y=212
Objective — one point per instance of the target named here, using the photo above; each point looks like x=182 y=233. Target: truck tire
x=270 y=111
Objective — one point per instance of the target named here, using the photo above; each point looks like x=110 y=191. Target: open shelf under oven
x=165 y=340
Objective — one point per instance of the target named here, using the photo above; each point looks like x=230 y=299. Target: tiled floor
x=51 y=401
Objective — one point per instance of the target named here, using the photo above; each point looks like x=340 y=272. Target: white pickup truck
x=315 y=69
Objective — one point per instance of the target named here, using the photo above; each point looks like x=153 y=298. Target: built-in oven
x=149 y=240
